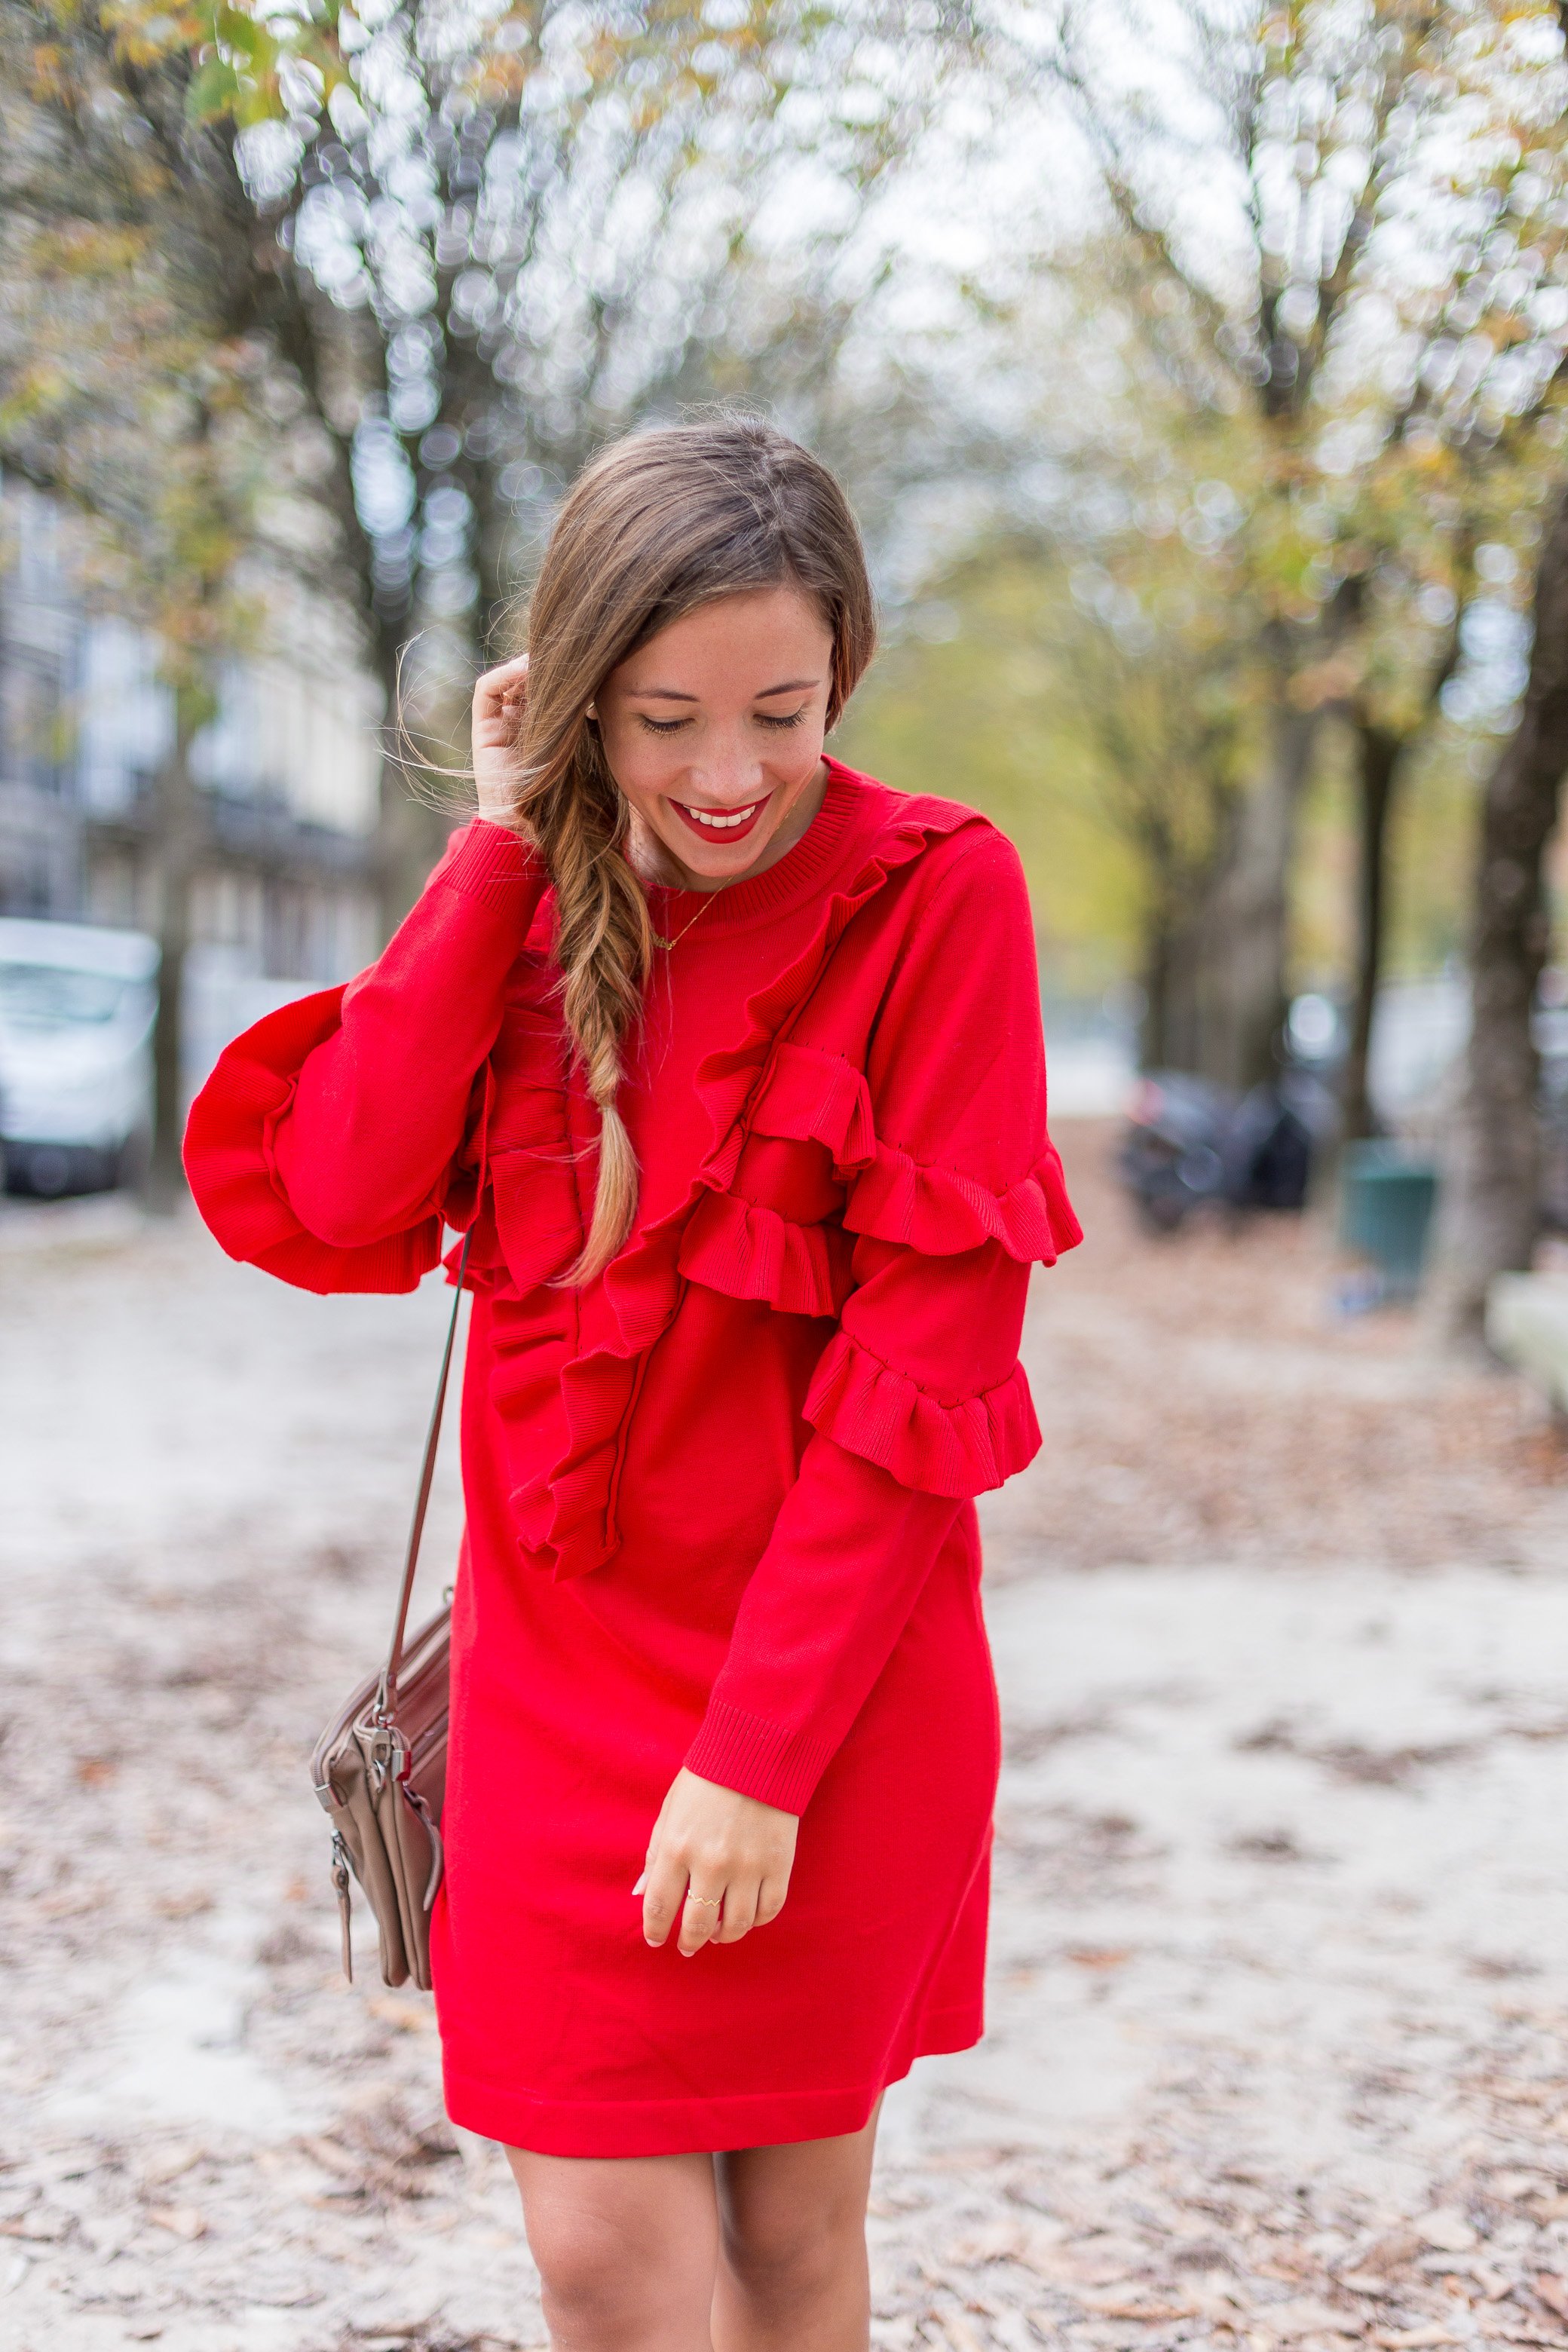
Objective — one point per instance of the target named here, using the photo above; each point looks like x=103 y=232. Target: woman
x=729 y=1060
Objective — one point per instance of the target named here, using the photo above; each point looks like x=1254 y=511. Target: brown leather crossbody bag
x=380 y=1766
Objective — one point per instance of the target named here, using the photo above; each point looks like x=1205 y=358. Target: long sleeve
x=920 y=1401
x=323 y=1147
x=849 y=1554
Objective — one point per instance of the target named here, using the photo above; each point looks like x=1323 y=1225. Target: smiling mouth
x=722 y=824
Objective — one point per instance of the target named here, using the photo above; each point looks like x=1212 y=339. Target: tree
x=121 y=396
x=430 y=261
x=1309 y=105
x=1453 y=376
x=1105 y=725
x=1491 y=1214
x=466 y=248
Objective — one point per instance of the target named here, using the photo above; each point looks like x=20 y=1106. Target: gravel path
x=1280 y=1981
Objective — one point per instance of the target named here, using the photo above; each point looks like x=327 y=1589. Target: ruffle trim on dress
x=749 y=1251
x=938 y=1211
x=956 y=1446
x=231 y=1161
x=539 y=1226
x=637 y=1299
x=810 y=1095
x=769 y=1085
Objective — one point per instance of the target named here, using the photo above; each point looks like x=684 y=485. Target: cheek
x=797 y=756
x=640 y=765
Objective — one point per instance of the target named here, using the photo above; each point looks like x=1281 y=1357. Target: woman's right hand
x=499 y=700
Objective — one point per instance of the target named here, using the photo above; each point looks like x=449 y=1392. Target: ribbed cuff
x=759 y=1759
x=489 y=862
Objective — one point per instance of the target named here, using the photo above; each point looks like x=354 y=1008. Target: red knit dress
x=718 y=1501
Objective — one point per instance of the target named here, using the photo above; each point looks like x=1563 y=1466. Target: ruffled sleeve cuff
x=959 y=1446
x=940 y=1211
x=231 y=1163
x=758 y=1758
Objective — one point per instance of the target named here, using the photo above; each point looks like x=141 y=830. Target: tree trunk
x=178 y=835
x=1155 y=1025
x=1247 y=944
x=1489 y=1212
x=1379 y=755
x=1174 y=971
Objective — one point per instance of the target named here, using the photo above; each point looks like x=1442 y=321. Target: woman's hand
x=717 y=1862
x=499 y=700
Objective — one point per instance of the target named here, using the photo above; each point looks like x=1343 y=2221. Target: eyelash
x=763 y=719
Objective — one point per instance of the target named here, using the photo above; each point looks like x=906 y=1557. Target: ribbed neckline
x=799 y=875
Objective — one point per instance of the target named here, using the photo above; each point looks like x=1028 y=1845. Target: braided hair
x=660 y=523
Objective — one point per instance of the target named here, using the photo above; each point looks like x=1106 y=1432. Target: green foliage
x=1294 y=460
x=968 y=704
x=123 y=390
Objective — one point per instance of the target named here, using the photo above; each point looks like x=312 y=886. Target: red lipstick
x=721 y=833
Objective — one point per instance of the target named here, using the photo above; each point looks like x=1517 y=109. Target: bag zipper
x=345 y=1901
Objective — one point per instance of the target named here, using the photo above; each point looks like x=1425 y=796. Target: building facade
x=289 y=768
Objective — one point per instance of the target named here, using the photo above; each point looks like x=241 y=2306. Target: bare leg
x=792 y=2273
x=626 y=2249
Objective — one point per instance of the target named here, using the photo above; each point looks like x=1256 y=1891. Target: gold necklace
x=669 y=945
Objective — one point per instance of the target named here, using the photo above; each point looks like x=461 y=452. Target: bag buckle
x=390 y=1757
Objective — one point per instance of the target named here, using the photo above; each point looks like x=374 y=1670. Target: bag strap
x=387 y=1695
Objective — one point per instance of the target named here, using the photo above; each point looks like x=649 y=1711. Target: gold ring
x=713 y=1901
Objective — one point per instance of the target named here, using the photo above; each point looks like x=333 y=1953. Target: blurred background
x=1199 y=371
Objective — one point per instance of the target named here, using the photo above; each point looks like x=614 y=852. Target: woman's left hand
x=718 y=1862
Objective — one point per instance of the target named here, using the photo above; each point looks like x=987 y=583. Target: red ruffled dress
x=718 y=1501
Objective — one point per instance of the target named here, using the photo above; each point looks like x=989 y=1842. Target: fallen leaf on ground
x=1306 y=2317
x=401 y=2013
x=180 y=2221
x=959 y=2333
x=161 y=2165
x=189 y=1906
x=1447 y=2229
x=333 y=2159
x=1513 y=2185
x=1116 y=2307
x=39 y=2229
x=1552 y=2292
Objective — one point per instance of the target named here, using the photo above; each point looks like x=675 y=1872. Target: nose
x=728 y=774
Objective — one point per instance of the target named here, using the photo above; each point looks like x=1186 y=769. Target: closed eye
x=778 y=722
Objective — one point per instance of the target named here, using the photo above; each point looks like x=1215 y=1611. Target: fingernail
x=642 y=1882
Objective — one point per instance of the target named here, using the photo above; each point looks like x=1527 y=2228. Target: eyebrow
x=673 y=694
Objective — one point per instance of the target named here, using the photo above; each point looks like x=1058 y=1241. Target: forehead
x=735 y=632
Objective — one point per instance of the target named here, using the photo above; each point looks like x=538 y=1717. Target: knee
x=790 y=2254
x=594 y=2295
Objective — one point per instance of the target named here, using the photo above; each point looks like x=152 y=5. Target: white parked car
x=76 y=1005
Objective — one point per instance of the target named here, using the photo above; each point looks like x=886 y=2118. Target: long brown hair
x=660 y=523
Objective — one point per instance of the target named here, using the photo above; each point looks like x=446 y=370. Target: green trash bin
x=1386 y=1196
